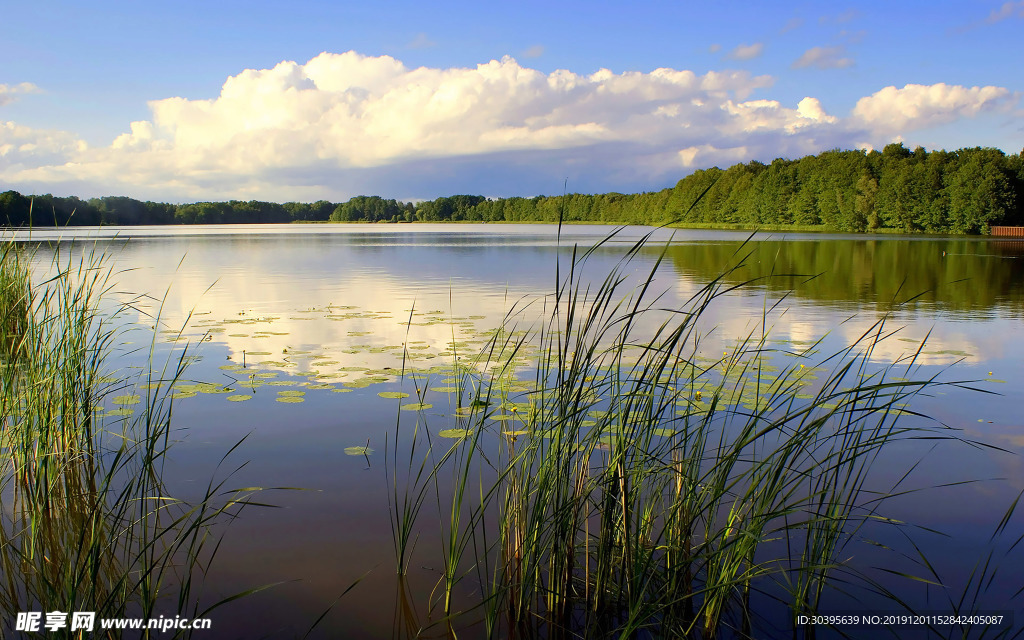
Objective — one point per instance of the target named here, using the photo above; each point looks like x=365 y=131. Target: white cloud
x=747 y=51
x=343 y=124
x=707 y=155
x=24 y=147
x=349 y=112
x=9 y=93
x=811 y=109
x=824 y=58
x=917 y=106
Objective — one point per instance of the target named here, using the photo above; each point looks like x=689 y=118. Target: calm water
x=324 y=310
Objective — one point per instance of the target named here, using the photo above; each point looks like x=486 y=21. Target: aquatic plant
x=87 y=523
x=635 y=485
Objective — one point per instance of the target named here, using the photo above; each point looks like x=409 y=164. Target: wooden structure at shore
x=1008 y=232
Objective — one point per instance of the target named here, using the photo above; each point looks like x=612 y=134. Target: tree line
x=963 y=192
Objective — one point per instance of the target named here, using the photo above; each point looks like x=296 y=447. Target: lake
x=293 y=332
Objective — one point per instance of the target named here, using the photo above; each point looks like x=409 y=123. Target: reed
x=634 y=486
x=87 y=523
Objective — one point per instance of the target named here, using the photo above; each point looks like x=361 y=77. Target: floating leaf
x=358 y=451
x=239 y=398
x=362 y=383
x=292 y=393
x=950 y=352
x=393 y=394
x=454 y=433
x=416 y=406
x=290 y=399
x=126 y=400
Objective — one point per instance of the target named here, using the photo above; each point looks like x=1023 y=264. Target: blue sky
x=313 y=100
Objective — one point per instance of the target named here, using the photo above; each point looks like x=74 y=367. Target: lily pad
x=214 y=389
x=358 y=451
x=393 y=394
x=239 y=398
x=454 y=433
x=291 y=399
x=132 y=399
x=416 y=406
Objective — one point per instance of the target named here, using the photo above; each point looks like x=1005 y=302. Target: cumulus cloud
x=917 y=106
x=824 y=58
x=9 y=93
x=343 y=124
x=353 y=113
x=747 y=51
x=24 y=147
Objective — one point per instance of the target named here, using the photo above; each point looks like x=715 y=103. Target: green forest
x=895 y=189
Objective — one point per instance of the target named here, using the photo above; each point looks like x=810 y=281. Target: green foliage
x=87 y=523
x=368 y=209
x=868 y=270
x=966 y=191
x=639 y=488
x=448 y=209
x=962 y=192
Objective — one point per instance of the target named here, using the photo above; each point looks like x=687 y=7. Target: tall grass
x=636 y=486
x=87 y=524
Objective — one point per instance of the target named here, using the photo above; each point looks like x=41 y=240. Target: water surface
x=327 y=311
